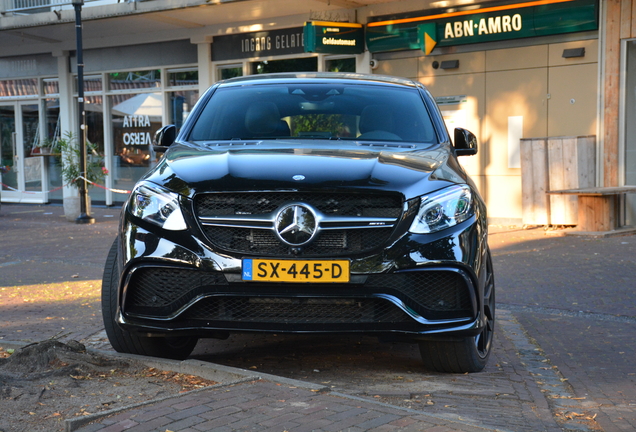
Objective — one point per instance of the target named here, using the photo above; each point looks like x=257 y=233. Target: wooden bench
x=599 y=209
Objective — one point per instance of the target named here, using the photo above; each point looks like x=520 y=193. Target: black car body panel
x=362 y=197
x=325 y=165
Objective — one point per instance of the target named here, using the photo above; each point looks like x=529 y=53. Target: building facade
x=505 y=70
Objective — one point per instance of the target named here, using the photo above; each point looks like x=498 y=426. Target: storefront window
x=341 y=65
x=52 y=133
x=135 y=80
x=52 y=118
x=227 y=72
x=135 y=119
x=51 y=86
x=19 y=87
x=183 y=77
x=92 y=83
x=305 y=64
x=94 y=108
x=181 y=103
x=30 y=140
x=7 y=147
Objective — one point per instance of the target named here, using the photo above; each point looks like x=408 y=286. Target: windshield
x=321 y=111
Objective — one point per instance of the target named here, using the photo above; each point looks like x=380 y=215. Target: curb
x=228 y=376
x=225 y=375
x=74 y=424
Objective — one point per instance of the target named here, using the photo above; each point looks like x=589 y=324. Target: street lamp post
x=84 y=217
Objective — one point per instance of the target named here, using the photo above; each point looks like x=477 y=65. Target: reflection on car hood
x=295 y=165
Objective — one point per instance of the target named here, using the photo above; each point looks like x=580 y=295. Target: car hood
x=292 y=165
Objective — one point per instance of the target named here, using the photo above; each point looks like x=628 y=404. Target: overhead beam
x=170 y=20
x=24 y=35
x=349 y=4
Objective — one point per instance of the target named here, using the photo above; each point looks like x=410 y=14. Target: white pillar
x=204 y=54
x=363 y=63
x=68 y=119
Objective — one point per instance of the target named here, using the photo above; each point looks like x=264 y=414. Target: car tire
x=468 y=354
x=176 y=348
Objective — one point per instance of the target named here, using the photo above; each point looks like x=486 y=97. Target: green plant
x=70 y=161
x=50 y=144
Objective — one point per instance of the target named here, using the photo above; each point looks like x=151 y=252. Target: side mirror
x=465 y=142
x=164 y=138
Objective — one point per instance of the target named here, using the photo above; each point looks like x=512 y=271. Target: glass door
x=19 y=134
x=9 y=161
x=33 y=168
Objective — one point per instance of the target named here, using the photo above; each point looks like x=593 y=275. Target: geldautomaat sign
x=487 y=24
x=334 y=37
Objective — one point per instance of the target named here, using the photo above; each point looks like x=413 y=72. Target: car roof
x=316 y=77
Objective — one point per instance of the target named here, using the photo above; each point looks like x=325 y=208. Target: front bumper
x=175 y=284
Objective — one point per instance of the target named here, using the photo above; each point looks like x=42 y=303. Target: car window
x=315 y=111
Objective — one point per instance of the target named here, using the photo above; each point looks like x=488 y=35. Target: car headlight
x=443 y=209
x=157 y=205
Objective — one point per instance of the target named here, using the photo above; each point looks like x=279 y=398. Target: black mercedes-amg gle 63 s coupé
x=306 y=203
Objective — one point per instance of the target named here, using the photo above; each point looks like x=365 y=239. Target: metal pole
x=84 y=217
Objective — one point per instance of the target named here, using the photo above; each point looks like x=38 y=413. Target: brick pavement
x=597 y=357
x=268 y=406
x=553 y=343
x=40 y=251
x=575 y=297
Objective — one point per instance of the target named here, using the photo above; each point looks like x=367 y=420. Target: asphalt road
x=564 y=345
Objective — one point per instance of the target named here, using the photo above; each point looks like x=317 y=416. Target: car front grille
x=166 y=293
x=368 y=205
x=297 y=310
x=435 y=291
x=163 y=290
x=263 y=241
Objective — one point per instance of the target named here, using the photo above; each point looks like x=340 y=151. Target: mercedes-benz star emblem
x=296 y=224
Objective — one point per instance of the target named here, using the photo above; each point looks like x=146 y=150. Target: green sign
x=427 y=35
x=333 y=37
x=488 y=24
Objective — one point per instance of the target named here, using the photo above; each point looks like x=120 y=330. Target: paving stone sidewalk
x=566 y=325
x=269 y=406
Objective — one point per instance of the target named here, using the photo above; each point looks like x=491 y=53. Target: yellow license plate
x=316 y=271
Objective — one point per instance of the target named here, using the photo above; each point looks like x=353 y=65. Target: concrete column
x=68 y=119
x=206 y=72
x=363 y=63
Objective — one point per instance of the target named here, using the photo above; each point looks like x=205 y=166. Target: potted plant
x=69 y=161
x=46 y=147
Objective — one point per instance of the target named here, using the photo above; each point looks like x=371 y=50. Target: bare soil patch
x=44 y=383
